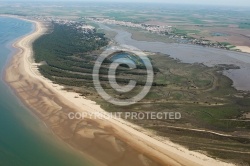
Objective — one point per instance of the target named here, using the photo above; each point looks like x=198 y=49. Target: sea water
x=24 y=139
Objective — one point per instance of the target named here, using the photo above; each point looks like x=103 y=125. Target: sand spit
x=112 y=142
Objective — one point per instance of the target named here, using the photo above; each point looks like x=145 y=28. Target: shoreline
x=51 y=104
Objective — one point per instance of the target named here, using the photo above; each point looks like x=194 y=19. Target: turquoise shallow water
x=122 y=58
x=24 y=140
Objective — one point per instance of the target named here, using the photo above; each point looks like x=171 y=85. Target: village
x=168 y=31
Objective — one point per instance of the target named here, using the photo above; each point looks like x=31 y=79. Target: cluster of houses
x=148 y=27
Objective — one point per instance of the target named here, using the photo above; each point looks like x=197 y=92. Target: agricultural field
x=194 y=21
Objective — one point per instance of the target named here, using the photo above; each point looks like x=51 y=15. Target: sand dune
x=112 y=142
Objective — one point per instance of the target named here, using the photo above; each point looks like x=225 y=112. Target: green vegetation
x=196 y=20
x=184 y=32
x=65 y=41
x=245 y=25
x=126 y=16
x=68 y=55
x=62 y=49
x=224 y=43
x=204 y=97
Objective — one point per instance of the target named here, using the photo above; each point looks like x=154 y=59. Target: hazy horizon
x=245 y=3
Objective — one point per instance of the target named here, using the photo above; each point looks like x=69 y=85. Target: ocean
x=24 y=139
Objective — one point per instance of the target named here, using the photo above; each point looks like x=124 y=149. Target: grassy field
x=201 y=95
x=185 y=32
x=194 y=21
x=245 y=25
x=143 y=35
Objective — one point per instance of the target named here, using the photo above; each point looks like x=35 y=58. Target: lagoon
x=188 y=53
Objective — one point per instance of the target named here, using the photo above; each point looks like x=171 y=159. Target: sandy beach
x=109 y=142
x=243 y=48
